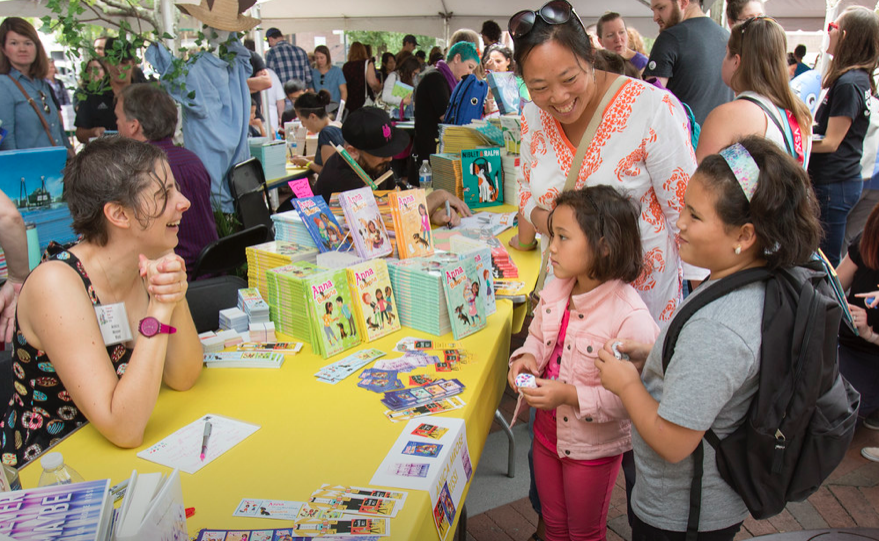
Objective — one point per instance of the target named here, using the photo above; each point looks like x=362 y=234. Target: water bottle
x=56 y=472
x=33 y=245
x=425 y=176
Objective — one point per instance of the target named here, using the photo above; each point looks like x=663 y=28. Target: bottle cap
x=50 y=461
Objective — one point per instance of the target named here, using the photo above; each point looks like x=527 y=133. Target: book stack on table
x=270 y=255
x=511 y=165
x=418 y=287
x=289 y=227
x=287 y=299
x=447 y=173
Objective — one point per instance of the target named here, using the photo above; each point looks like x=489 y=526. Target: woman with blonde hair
x=359 y=73
x=755 y=68
x=842 y=120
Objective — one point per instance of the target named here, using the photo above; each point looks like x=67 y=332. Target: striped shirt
x=197 y=228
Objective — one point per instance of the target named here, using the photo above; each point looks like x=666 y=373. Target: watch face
x=149 y=326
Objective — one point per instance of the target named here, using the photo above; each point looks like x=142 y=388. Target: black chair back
x=247 y=185
x=229 y=252
x=207 y=297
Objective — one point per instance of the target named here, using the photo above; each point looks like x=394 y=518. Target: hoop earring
x=738 y=250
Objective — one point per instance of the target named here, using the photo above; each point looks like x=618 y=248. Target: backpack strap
x=684 y=313
x=785 y=133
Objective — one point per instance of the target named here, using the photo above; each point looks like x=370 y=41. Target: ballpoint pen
x=449 y=214
x=204 y=439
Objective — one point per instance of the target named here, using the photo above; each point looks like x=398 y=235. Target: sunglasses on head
x=554 y=12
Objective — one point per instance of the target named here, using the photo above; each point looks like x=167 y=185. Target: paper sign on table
x=444 y=476
x=181 y=449
x=301 y=187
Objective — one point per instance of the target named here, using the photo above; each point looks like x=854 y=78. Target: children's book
x=365 y=223
x=156 y=508
x=411 y=223
x=505 y=89
x=402 y=90
x=482 y=177
x=370 y=286
x=464 y=298
x=321 y=224
x=480 y=253
x=329 y=306
x=35 y=513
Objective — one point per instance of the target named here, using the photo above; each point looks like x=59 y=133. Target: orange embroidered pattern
x=524 y=126
x=615 y=119
x=666 y=99
x=668 y=311
x=538 y=144
x=627 y=166
x=523 y=199
x=677 y=185
x=563 y=152
x=547 y=200
x=653 y=263
x=651 y=211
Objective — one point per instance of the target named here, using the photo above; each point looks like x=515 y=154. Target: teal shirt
x=330 y=81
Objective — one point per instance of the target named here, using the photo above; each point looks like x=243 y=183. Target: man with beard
x=373 y=141
x=688 y=54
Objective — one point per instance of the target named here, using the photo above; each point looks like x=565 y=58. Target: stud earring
x=738 y=250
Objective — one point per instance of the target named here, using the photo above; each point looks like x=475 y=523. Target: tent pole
x=830 y=16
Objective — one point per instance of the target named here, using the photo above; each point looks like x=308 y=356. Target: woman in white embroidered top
x=641 y=146
x=755 y=69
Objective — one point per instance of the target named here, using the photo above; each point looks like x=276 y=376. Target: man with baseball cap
x=409 y=46
x=373 y=141
x=288 y=61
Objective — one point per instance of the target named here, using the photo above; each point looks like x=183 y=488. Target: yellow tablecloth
x=312 y=432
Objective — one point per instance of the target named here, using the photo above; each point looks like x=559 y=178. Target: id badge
x=113 y=320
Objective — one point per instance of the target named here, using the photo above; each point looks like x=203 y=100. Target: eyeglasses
x=554 y=12
x=832 y=26
x=752 y=19
x=45 y=103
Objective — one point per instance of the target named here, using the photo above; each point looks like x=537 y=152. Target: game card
x=430 y=431
x=420 y=379
x=277 y=509
x=409 y=470
x=415 y=448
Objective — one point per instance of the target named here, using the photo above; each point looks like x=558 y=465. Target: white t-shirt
x=275 y=94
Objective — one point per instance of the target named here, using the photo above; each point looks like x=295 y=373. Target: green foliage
x=382 y=42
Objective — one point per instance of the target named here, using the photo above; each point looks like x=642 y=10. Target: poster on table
x=431 y=454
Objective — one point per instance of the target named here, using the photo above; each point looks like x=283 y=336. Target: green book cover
x=333 y=320
x=482 y=176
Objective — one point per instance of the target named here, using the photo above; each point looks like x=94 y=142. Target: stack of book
x=270 y=255
x=333 y=323
x=464 y=295
x=243 y=359
x=447 y=173
x=289 y=227
x=374 y=300
x=511 y=165
x=418 y=287
x=233 y=319
x=252 y=304
x=483 y=281
x=286 y=298
x=454 y=139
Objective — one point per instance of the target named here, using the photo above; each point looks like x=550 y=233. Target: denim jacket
x=600 y=427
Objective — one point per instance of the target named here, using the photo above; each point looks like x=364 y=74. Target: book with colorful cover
x=401 y=89
x=329 y=306
x=511 y=128
x=411 y=223
x=321 y=224
x=370 y=286
x=35 y=513
x=482 y=177
x=463 y=294
x=365 y=223
x=480 y=253
x=505 y=87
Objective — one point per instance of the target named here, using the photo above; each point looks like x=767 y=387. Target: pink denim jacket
x=601 y=426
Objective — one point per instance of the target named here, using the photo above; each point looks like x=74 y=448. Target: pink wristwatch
x=150 y=326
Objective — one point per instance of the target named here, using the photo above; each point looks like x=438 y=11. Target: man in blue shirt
x=288 y=61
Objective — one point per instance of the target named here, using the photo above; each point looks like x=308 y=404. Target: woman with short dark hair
x=101 y=325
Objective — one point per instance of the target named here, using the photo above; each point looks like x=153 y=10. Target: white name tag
x=113 y=321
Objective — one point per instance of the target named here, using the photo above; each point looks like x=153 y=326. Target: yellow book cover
x=373 y=298
x=411 y=223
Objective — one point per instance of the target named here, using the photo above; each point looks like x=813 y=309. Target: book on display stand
x=334 y=326
x=321 y=224
x=374 y=299
x=463 y=296
x=411 y=223
x=482 y=177
x=365 y=223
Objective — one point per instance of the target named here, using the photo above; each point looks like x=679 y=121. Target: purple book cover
x=61 y=512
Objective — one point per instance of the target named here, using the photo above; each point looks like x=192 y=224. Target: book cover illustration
x=482 y=177
x=402 y=90
x=463 y=293
x=321 y=224
x=61 y=512
x=330 y=306
x=480 y=253
x=374 y=301
x=512 y=130
x=411 y=223
x=365 y=223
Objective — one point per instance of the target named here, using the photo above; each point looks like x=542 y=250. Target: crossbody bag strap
x=31 y=101
x=785 y=133
x=574 y=172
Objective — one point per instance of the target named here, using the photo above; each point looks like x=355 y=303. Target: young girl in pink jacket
x=581 y=430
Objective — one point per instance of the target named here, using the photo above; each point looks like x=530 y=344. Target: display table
x=312 y=432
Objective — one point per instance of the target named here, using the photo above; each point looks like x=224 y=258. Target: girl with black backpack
x=750 y=206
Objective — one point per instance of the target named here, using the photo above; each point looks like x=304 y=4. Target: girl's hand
x=299 y=161
x=616 y=374
x=874 y=295
x=859 y=315
x=526 y=364
x=165 y=278
x=550 y=394
x=637 y=351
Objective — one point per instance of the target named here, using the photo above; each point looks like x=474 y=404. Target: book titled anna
x=373 y=297
x=464 y=298
x=365 y=223
x=76 y=512
x=321 y=224
x=411 y=223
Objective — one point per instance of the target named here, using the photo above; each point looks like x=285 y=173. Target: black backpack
x=803 y=415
